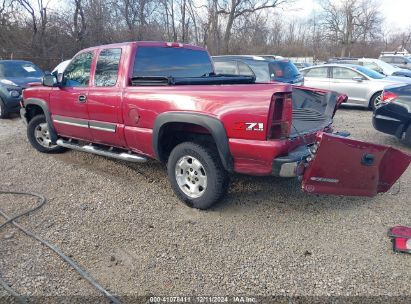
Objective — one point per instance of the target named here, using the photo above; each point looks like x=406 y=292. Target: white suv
x=399 y=60
x=377 y=65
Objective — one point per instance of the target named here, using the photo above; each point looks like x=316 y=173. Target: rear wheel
x=3 y=110
x=196 y=175
x=39 y=136
x=375 y=100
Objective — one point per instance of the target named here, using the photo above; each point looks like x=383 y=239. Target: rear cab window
x=171 y=62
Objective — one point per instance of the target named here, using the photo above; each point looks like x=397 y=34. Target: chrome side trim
x=70 y=121
x=102 y=126
x=96 y=125
x=325 y=179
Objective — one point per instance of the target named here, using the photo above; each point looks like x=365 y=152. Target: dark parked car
x=393 y=115
x=15 y=75
x=265 y=70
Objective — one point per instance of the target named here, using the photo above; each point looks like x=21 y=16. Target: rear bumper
x=291 y=165
x=270 y=157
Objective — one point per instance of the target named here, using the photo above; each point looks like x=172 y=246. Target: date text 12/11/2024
x=203 y=299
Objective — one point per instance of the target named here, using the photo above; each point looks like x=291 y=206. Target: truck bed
x=312 y=110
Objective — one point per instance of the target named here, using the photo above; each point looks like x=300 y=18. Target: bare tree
x=79 y=23
x=37 y=10
x=347 y=21
x=234 y=9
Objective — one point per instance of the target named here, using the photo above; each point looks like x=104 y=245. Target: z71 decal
x=249 y=126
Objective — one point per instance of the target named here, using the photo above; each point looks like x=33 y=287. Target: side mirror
x=358 y=78
x=49 y=80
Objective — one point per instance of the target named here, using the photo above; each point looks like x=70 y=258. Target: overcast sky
x=397 y=13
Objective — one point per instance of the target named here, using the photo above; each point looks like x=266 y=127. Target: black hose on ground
x=18 y=297
x=81 y=272
x=41 y=198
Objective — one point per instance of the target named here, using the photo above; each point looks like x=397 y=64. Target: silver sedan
x=363 y=86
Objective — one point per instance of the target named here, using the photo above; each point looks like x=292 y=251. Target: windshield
x=370 y=73
x=17 y=69
x=283 y=69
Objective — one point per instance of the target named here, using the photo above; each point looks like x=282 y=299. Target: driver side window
x=77 y=74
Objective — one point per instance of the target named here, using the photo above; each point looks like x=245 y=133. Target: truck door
x=344 y=166
x=104 y=99
x=68 y=103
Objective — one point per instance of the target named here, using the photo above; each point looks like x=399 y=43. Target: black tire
x=3 y=111
x=407 y=136
x=35 y=123
x=217 y=179
x=373 y=100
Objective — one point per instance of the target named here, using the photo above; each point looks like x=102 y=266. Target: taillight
x=388 y=96
x=280 y=116
x=401 y=238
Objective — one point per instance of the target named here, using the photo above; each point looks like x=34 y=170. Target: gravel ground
x=122 y=223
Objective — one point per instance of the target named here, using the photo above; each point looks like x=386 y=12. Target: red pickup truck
x=140 y=100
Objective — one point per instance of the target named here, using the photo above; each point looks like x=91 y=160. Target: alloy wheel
x=42 y=135
x=377 y=100
x=191 y=176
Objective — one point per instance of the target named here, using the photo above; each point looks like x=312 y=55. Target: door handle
x=82 y=98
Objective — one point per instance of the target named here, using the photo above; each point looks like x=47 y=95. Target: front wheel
x=38 y=134
x=3 y=110
x=196 y=175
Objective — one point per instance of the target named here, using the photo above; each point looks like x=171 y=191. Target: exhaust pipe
x=127 y=156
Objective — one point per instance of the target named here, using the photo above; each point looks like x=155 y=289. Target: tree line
x=49 y=31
